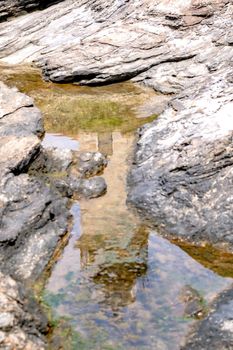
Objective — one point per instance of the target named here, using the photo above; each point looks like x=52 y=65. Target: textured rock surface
x=91 y=164
x=9 y=8
x=182 y=176
x=21 y=322
x=107 y=41
x=216 y=331
x=33 y=217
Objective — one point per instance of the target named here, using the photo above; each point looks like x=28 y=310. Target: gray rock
x=18 y=115
x=88 y=188
x=22 y=323
x=33 y=216
x=181 y=179
x=33 y=219
x=215 y=332
x=93 y=188
x=99 y=41
x=91 y=164
x=61 y=159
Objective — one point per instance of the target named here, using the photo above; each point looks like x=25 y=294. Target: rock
x=33 y=219
x=18 y=115
x=33 y=216
x=22 y=323
x=182 y=177
x=102 y=42
x=91 y=164
x=93 y=188
x=63 y=186
x=215 y=332
x=194 y=303
x=10 y=8
x=61 y=159
x=88 y=188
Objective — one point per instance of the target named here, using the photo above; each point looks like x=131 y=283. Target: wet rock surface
x=91 y=164
x=216 y=331
x=72 y=174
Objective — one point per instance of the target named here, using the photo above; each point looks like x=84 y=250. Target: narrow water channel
x=118 y=284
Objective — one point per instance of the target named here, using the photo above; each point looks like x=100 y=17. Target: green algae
x=69 y=109
x=217 y=260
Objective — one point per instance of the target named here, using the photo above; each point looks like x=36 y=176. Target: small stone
x=91 y=164
x=6 y=320
x=93 y=188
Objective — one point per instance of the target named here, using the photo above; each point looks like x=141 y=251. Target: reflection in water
x=120 y=267
x=121 y=285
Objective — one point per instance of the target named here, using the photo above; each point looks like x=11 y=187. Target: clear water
x=117 y=284
x=121 y=285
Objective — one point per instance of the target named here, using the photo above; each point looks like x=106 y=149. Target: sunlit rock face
x=98 y=42
x=182 y=177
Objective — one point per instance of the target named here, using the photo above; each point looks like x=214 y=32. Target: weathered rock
x=91 y=164
x=98 y=41
x=18 y=115
x=216 y=331
x=9 y=8
x=33 y=219
x=182 y=177
x=33 y=216
x=22 y=324
x=93 y=188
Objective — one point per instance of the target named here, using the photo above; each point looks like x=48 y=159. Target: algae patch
x=69 y=109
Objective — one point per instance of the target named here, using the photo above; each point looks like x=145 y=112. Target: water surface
x=118 y=284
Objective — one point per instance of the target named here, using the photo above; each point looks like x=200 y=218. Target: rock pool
x=117 y=284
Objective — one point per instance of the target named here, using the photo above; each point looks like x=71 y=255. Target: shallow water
x=121 y=285
x=118 y=284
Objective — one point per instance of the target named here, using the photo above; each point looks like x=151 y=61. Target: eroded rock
x=9 y=8
x=22 y=324
x=101 y=42
x=33 y=216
